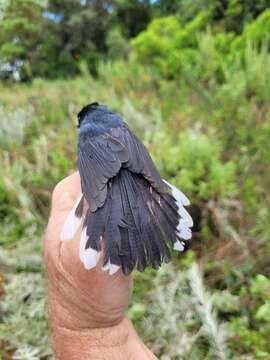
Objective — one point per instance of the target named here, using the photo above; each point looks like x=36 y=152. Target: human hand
x=86 y=308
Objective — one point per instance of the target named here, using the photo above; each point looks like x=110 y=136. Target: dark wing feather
x=139 y=161
x=101 y=157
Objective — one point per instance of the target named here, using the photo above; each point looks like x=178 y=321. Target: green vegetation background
x=192 y=78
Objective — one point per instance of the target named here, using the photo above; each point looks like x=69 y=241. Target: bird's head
x=86 y=110
x=95 y=119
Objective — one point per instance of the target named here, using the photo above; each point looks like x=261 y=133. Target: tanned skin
x=86 y=308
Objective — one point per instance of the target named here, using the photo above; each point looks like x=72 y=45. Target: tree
x=21 y=34
x=80 y=33
x=237 y=12
x=230 y=15
x=132 y=15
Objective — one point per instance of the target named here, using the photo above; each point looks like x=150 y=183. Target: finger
x=70 y=257
x=64 y=196
x=66 y=193
x=72 y=262
x=96 y=283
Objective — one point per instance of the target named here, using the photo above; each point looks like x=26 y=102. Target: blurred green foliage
x=19 y=37
x=51 y=37
x=177 y=50
x=192 y=79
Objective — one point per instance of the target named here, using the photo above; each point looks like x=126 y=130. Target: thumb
x=64 y=196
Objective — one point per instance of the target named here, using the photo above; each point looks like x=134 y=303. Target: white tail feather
x=83 y=242
x=185 y=222
x=177 y=194
x=178 y=246
x=185 y=234
x=90 y=258
x=112 y=268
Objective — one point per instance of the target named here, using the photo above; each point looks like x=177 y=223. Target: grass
x=185 y=310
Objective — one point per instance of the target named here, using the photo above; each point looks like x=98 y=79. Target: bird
x=125 y=210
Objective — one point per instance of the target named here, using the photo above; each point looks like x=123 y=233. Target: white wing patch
x=72 y=223
x=185 y=220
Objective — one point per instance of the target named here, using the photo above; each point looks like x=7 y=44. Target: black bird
x=124 y=202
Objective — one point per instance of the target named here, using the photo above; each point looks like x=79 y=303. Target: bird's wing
x=139 y=161
x=101 y=157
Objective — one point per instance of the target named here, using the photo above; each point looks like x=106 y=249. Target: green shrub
x=208 y=129
x=254 y=333
x=165 y=41
x=194 y=162
x=256 y=32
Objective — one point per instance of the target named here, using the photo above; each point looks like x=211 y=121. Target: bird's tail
x=137 y=225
